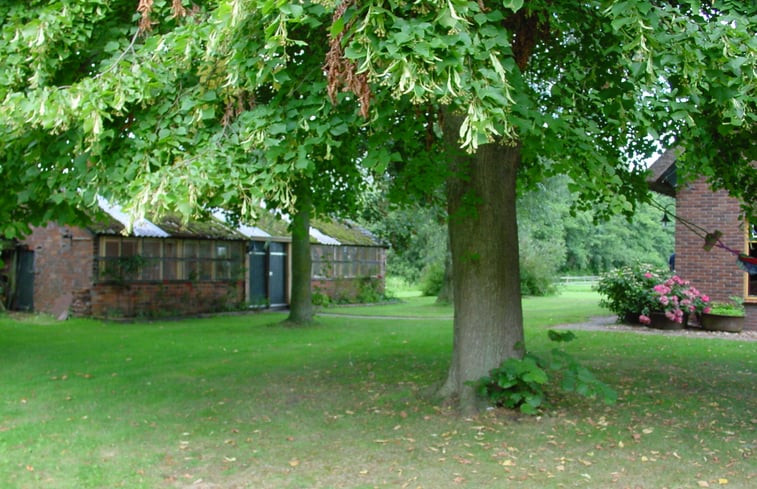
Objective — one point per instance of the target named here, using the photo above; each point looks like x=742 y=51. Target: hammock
x=713 y=239
x=748 y=263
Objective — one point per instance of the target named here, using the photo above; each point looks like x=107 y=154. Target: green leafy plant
x=521 y=383
x=734 y=307
x=626 y=290
x=369 y=290
x=320 y=299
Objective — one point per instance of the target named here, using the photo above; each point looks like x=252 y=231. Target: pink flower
x=661 y=289
x=648 y=275
x=643 y=319
x=705 y=298
x=664 y=300
x=670 y=315
x=707 y=310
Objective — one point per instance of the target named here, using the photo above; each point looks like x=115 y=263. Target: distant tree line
x=555 y=238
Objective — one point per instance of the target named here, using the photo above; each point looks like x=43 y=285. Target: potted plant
x=625 y=290
x=724 y=316
x=671 y=302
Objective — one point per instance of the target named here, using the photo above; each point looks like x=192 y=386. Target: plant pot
x=719 y=322
x=631 y=318
x=661 y=321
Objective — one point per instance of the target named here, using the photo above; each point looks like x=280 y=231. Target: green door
x=23 y=299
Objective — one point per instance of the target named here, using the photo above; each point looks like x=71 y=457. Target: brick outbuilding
x=170 y=267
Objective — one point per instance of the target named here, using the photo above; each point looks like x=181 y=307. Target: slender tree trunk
x=483 y=232
x=446 y=294
x=301 y=302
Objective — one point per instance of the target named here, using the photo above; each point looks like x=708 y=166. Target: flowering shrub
x=626 y=290
x=675 y=297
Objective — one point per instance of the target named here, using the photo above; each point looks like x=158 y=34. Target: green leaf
x=513 y=5
x=337 y=27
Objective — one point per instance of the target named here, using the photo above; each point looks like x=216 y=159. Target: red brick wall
x=716 y=273
x=152 y=299
x=62 y=265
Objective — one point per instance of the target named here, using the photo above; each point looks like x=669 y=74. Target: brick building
x=170 y=267
x=700 y=210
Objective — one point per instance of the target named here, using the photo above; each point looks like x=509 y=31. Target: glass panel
x=237 y=251
x=206 y=260
x=191 y=269
x=109 y=269
x=190 y=249
x=111 y=248
x=223 y=263
x=205 y=249
x=222 y=250
x=170 y=262
x=129 y=247
x=151 y=264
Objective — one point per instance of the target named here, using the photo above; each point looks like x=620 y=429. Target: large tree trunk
x=483 y=232
x=301 y=301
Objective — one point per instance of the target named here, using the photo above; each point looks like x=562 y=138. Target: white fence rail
x=579 y=279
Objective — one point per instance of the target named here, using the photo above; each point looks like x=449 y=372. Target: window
x=345 y=261
x=170 y=260
x=147 y=259
x=152 y=262
x=752 y=251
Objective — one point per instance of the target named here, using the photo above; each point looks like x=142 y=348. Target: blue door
x=267 y=274
x=23 y=299
x=277 y=274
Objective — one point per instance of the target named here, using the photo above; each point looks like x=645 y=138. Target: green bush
x=539 y=262
x=626 y=290
x=432 y=279
x=369 y=291
x=519 y=383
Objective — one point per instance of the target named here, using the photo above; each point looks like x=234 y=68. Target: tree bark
x=301 y=301
x=488 y=323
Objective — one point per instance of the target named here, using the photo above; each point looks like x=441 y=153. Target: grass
x=234 y=402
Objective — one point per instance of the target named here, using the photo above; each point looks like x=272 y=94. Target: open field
x=239 y=402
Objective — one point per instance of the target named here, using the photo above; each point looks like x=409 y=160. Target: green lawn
x=238 y=402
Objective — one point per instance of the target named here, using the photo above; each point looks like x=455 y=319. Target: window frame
x=334 y=262
x=174 y=266
x=750 y=248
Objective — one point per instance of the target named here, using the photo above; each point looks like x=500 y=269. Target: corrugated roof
x=345 y=232
x=268 y=226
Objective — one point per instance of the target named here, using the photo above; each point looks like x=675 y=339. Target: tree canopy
x=220 y=103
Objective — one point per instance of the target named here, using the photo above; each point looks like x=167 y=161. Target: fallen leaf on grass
x=462 y=460
x=294 y=462
x=703 y=484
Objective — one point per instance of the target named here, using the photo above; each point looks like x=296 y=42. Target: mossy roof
x=211 y=227
x=346 y=232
